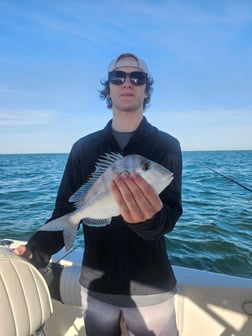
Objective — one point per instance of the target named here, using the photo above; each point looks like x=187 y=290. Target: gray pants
x=104 y=319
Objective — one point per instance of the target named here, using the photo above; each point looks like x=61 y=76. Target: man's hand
x=136 y=198
x=23 y=251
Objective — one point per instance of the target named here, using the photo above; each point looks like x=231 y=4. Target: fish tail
x=65 y=224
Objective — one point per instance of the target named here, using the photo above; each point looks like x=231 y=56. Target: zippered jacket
x=120 y=258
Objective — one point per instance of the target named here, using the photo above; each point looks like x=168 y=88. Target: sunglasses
x=136 y=77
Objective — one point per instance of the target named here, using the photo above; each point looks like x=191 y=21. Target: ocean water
x=214 y=233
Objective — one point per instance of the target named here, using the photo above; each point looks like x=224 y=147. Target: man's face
x=127 y=97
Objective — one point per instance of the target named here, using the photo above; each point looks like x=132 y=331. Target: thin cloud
x=78 y=21
x=25 y=118
x=54 y=53
x=204 y=118
x=7 y=92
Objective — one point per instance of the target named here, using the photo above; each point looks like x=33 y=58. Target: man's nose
x=127 y=82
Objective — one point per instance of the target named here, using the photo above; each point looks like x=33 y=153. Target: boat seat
x=25 y=302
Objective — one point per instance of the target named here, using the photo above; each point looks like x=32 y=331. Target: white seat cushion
x=25 y=302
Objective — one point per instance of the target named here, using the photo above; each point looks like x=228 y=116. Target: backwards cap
x=120 y=61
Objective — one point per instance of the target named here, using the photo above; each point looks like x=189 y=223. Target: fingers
x=125 y=199
x=136 y=198
x=23 y=251
x=149 y=192
x=20 y=250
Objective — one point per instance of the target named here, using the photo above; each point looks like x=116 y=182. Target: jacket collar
x=143 y=128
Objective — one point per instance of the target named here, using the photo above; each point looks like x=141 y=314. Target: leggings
x=104 y=319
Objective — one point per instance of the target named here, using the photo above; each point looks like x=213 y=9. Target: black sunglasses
x=136 y=77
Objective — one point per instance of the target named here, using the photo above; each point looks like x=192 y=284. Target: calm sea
x=214 y=233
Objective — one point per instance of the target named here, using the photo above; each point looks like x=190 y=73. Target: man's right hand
x=23 y=251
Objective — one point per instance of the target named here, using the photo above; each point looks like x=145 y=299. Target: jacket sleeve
x=164 y=221
x=45 y=243
x=161 y=223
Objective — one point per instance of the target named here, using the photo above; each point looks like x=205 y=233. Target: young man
x=126 y=272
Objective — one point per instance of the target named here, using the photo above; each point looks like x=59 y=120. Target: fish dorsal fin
x=78 y=196
x=101 y=166
x=105 y=161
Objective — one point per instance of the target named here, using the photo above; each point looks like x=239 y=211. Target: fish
x=94 y=202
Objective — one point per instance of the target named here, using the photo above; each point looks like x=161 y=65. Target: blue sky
x=54 y=54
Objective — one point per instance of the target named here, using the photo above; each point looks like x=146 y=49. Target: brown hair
x=104 y=94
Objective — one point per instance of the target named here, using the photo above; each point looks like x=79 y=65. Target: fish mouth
x=166 y=179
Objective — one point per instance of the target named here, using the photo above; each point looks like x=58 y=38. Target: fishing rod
x=228 y=178
x=49 y=268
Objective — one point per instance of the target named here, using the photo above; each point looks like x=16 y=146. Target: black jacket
x=120 y=258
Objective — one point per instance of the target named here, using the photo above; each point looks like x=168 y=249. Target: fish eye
x=145 y=165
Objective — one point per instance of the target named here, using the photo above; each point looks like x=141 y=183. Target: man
x=126 y=273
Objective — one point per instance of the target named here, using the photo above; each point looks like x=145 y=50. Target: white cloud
x=207 y=129
x=54 y=54
x=13 y=118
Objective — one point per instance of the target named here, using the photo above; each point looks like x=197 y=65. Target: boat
x=207 y=303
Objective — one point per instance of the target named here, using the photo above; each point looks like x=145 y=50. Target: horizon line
x=185 y=150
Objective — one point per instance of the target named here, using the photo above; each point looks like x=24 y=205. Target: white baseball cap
x=121 y=62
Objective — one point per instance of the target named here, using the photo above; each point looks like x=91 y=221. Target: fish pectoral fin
x=96 y=221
